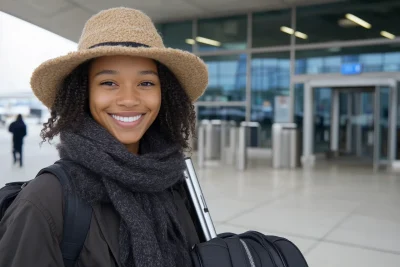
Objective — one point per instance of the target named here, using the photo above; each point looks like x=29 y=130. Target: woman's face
x=124 y=96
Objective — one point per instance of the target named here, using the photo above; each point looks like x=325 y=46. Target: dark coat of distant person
x=18 y=129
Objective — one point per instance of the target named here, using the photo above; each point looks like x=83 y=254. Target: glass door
x=322 y=119
x=355 y=125
x=381 y=126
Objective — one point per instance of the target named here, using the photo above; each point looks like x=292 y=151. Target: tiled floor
x=338 y=216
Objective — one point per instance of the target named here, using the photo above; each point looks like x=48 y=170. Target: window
x=348 y=20
x=222 y=33
x=270 y=78
x=383 y=58
x=176 y=35
x=237 y=114
x=227 y=78
x=267 y=28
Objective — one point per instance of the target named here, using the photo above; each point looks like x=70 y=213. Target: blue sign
x=351 y=68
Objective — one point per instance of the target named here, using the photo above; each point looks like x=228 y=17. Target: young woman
x=122 y=105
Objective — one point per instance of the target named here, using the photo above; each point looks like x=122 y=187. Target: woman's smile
x=128 y=120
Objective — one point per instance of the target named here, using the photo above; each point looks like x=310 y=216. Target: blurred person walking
x=18 y=129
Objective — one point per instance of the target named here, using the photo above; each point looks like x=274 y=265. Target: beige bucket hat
x=120 y=31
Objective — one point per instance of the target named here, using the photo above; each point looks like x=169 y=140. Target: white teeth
x=126 y=119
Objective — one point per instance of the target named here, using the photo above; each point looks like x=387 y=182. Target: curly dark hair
x=176 y=119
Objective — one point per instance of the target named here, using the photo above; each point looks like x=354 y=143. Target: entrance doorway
x=354 y=112
x=353 y=123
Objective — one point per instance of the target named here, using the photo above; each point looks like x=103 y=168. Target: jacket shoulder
x=46 y=194
x=28 y=229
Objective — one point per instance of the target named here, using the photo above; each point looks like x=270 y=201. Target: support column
x=248 y=65
x=335 y=122
x=308 y=158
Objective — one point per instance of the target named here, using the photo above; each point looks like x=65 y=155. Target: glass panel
x=364 y=124
x=398 y=123
x=344 y=120
x=337 y=21
x=237 y=114
x=267 y=28
x=356 y=125
x=322 y=118
x=299 y=105
x=222 y=33
x=384 y=122
x=176 y=35
x=270 y=78
x=384 y=58
x=227 y=78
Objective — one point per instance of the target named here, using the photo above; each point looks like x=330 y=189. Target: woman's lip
x=128 y=124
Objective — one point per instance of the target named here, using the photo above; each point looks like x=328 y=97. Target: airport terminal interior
x=298 y=132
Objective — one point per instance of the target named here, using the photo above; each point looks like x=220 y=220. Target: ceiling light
x=345 y=23
x=388 y=35
x=287 y=30
x=301 y=35
x=291 y=31
x=359 y=21
x=190 y=41
x=208 y=41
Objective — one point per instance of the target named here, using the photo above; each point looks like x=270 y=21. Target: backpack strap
x=77 y=218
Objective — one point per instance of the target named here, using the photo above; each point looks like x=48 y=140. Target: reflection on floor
x=338 y=215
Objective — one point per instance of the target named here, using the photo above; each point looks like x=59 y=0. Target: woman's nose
x=128 y=97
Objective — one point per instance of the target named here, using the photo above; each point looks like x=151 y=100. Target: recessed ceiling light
x=287 y=30
x=208 y=41
x=190 y=41
x=358 y=20
x=291 y=31
x=388 y=35
x=301 y=35
x=345 y=23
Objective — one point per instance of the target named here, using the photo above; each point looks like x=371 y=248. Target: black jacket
x=32 y=228
x=18 y=129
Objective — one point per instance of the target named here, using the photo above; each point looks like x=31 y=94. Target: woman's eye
x=108 y=83
x=147 y=84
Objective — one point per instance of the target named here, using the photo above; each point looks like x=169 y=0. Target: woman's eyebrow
x=102 y=72
x=148 y=72
x=114 y=72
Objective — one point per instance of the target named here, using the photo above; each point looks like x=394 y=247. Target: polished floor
x=337 y=215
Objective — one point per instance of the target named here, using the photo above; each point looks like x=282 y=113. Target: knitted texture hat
x=120 y=31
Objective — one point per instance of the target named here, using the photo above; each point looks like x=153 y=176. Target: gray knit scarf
x=103 y=171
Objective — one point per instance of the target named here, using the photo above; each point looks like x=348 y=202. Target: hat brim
x=189 y=69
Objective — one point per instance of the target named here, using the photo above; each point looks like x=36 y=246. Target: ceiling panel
x=261 y=3
x=69 y=23
x=97 y=5
x=173 y=12
x=20 y=10
x=46 y=7
x=237 y=6
x=67 y=17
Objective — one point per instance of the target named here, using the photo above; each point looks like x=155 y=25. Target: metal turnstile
x=214 y=140
x=285 y=145
x=249 y=134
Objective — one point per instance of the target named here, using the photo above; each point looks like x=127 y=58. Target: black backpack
x=250 y=249
x=77 y=214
